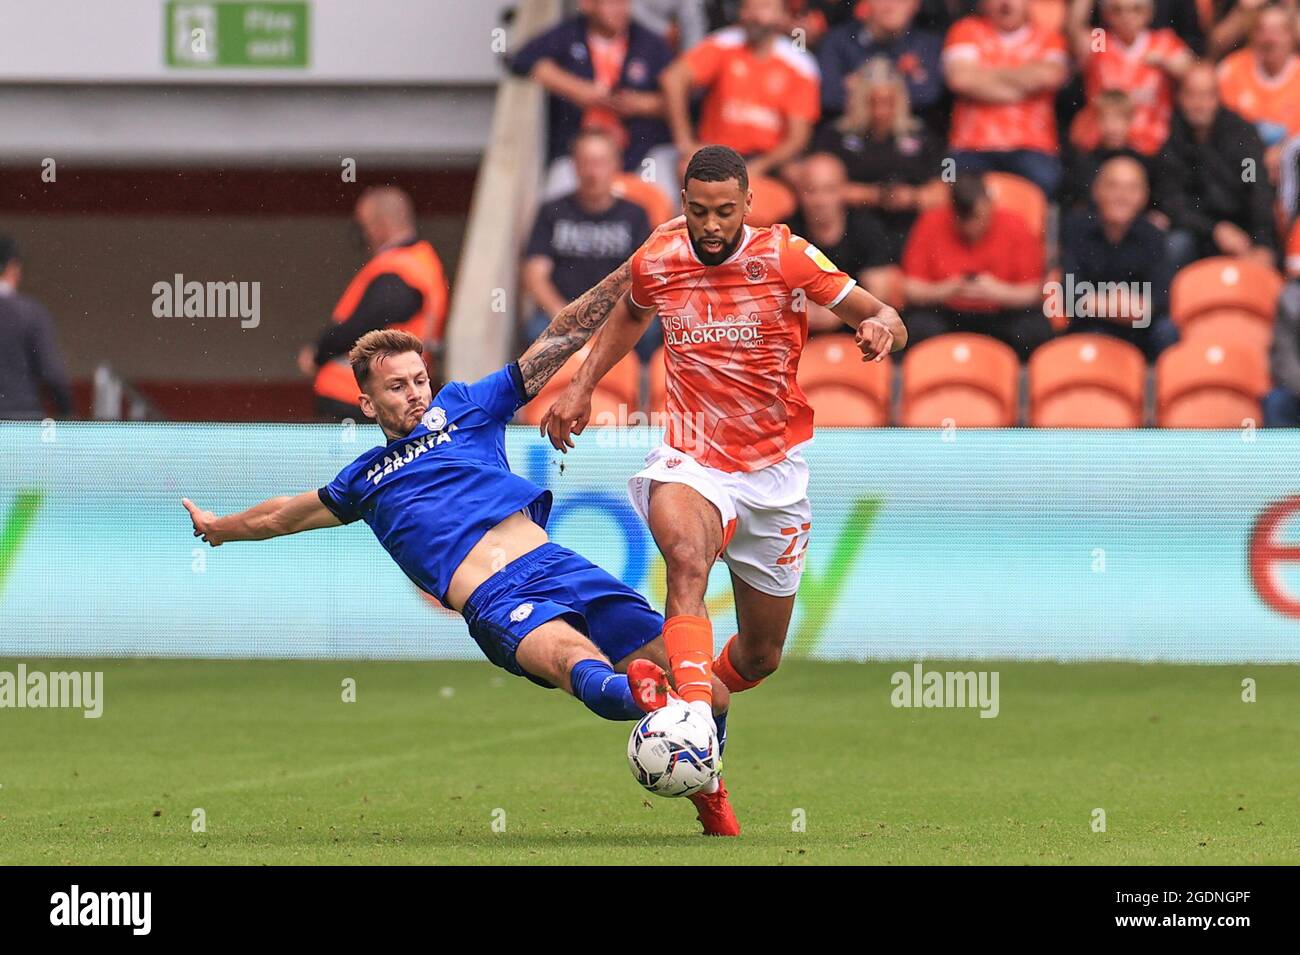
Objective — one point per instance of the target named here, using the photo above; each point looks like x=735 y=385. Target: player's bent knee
x=686 y=560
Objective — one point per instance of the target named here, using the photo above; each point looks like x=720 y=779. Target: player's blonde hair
x=381 y=343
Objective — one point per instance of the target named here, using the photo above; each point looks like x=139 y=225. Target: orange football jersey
x=732 y=338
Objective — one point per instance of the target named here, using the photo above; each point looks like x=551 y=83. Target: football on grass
x=673 y=751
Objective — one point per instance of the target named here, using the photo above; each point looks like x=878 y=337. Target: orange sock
x=689 y=642
x=727 y=673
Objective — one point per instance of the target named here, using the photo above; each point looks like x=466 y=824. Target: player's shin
x=688 y=641
x=603 y=691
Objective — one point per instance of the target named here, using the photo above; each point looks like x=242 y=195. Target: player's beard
x=717 y=258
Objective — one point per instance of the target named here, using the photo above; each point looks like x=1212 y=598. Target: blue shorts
x=550 y=582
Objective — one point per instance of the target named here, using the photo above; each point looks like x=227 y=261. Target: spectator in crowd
x=1181 y=16
x=1212 y=183
x=1130 y=56
x=851 y=238
x=885 y=31
x=1114 y=262
x=1005 y=71
x=601 y=69
x=972 y=267
x=31 y=368
x=1232 y=21
x=681 y=23
x=402 y=286
x=1288 y=190
x=1282 y=404
x=1114 y=111
x=1261 y=83
x=579 y=239
x=761 y=91
x=890 y=157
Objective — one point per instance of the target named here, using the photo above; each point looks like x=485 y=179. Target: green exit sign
x=232 y=34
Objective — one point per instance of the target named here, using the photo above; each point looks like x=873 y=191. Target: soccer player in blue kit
x=442 y=500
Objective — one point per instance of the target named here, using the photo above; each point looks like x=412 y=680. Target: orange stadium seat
x=774 y=201
x=1020 y=196
x=648 y=196
x=1086 y=381
x=973 y=380
x=1012 y=192
x=620 y=389
x=1048 y=15
x=1224 y=282
x=843 y=390
x=1209 y=385
x=1230 y=324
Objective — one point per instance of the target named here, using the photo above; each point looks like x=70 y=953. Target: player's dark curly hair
x=717 y=164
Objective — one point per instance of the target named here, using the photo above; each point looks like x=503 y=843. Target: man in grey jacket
x=29 y=360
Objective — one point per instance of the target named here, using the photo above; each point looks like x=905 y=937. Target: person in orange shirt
x=763 y=94
x=1262 y=82
x=1128 y=55
x=1004 y=71
x=729 y=483
x=402 y=286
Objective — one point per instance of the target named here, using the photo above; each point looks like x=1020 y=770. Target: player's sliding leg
x=754 y=652
x=688 y=531
x=560 y=655
x=645 y=673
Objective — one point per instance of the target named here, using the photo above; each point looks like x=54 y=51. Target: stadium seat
x=1229 y=324
x=1020 y=196
x=843 y=390
x=648 y=196
x=1049 y=15
x=971 y=379
x=1209 y=385
x=774 y=201
x=1086 y=381
x=1224 y=282
x=618 y=392
x=1013 y=192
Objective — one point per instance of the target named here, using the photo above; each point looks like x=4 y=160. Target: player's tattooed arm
x=572 y=328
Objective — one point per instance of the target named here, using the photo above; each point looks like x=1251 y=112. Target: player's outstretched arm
x=878 y=327
x=273 y=518
x=577 y=322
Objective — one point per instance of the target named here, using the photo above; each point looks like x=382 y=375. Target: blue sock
x=604 y=691
x=721 y=722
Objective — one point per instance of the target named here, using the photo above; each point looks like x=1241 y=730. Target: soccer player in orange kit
x=729 y=481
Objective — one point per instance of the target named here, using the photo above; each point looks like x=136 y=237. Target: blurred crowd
x=960 y=157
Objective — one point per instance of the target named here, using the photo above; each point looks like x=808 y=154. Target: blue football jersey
x=432 y=495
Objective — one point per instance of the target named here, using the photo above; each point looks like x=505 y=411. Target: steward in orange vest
x=402 y=287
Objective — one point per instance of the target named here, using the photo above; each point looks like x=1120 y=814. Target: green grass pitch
x=431 y=754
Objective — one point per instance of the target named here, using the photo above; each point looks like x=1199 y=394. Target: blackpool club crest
x=755 y=270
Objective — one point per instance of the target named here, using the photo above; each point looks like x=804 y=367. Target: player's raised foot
x=715 y=813
x=649 y=685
